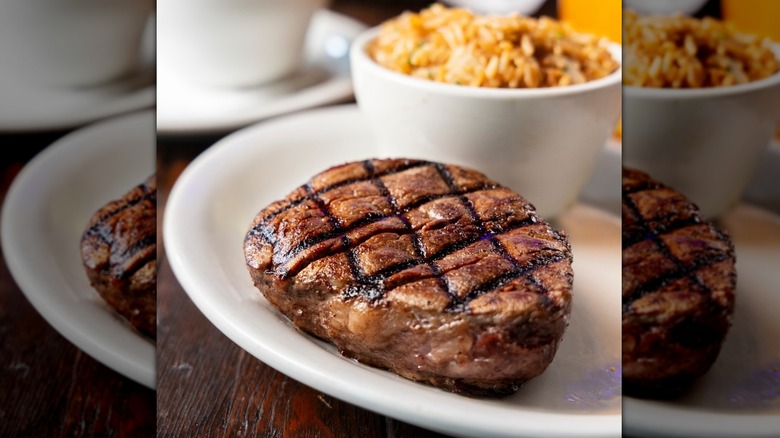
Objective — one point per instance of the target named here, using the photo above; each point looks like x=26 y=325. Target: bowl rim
x=359 y=59
x=709 y=92
x=687 y=7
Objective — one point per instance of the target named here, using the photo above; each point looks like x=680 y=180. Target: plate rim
x=589 y=424
x=135 y=100
x=91 y=342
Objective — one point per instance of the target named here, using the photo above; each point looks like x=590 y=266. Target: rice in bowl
x=456 y=46
x=684 y=52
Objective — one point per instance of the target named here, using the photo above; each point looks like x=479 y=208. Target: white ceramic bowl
x=525 y=7
x=71 y=44
x=233 y=43
x=706 y=143
x=540 y=142
x=664 y=7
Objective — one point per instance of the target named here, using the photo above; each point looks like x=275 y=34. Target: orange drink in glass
x=599 y=17
x=759 y=17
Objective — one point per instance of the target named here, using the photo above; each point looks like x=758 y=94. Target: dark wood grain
x=50 y=388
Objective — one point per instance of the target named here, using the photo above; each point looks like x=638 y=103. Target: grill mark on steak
x=416 y=240
x=674 y=226
x=372 y=287
x=411 y=164
x=518 y=270
x=346 y=242
x=438 y=273
x=459 y=304
x=103 y=231
x=681 y=270
x=128 y=271
x=484 y=234
x=678 y=289
x=103 y=234
x=119 y=253
x=447 y=251
x=447 y=177
x=267 y=233
x=98 y=228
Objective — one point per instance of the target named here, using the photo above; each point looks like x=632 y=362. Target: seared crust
x=432 y=271
x=119 y=251
x=678 y=288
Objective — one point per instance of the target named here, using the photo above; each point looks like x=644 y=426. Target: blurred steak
x=119 y=251
x=432 y=271
x=678 y=289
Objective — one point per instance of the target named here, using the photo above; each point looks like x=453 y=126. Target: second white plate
x=209 y=211
x=44 y=215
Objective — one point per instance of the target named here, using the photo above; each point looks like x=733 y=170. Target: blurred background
x=701 y=106
x=61 y=82
x=66 y=65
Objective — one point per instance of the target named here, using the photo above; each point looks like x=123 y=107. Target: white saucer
x=44 y=215
x=740 y=395
x=28 y=108
x=187 y=108
x=210 y=209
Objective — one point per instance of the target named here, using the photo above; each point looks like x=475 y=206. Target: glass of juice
x=759 y=17
x=602 y=17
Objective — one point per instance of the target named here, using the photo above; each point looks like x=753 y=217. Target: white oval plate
x=740 y=395
x=186 y=108
x=44 y=215
x=210 y=209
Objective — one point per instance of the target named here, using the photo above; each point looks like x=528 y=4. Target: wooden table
x=48 y=387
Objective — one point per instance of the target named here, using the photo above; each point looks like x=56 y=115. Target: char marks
x=119 y=253
x=655 y=215
x=127 y=227
x=413 y=215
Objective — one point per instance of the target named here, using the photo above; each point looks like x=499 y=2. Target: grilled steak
x=678 y=289
x=431 y=271
x=119 y=251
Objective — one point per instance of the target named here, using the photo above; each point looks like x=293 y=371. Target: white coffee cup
x=525 y=7
x=71 y=43
x=232 y=43
x=664 y=7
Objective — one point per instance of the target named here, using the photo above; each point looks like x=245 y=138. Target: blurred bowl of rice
x=701 y=104
x=528 y=102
